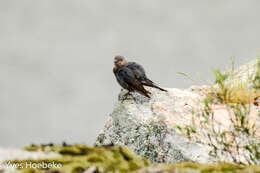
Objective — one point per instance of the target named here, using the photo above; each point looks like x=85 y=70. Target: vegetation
x=209 y=168
x=231 y=90
x=78 y=158
x=239 y=142
x=256 y=80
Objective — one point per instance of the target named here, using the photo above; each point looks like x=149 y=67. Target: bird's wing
x=120 y=79
x=137 y=69
x=126 y=77
x=139 y=72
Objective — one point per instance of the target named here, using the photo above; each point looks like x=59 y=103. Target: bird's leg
x=130 y=93
x=134 y=98
x=125 y=96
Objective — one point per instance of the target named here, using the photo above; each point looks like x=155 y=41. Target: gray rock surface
x=148 y=127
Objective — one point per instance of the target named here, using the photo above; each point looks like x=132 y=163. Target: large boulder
x=147 y=126
x=151 y=127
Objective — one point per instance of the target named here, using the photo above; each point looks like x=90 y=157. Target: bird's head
x=120 y=61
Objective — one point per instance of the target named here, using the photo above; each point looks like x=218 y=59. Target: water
x=56 y=57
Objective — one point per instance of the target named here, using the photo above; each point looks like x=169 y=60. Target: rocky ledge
x=201 y=124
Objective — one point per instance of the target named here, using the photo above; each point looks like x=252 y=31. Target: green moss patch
x=209 y=168
x=79 y=158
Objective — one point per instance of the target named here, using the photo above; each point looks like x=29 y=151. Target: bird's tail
x=145 y=93
x=150 y=83
x=140 y=89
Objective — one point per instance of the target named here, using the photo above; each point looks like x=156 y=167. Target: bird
x=132 y=77
x=141 y=76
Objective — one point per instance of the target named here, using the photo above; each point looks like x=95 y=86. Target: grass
x=256 y=80
x=210 y=168
x=227 y=90
x=236 y=91
x=237 y=95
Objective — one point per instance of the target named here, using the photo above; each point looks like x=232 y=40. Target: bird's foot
x=128 y=96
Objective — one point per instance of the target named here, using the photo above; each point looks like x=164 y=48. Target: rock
x=149 y=127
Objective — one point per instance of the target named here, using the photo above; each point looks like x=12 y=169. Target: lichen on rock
x=147 y=127
x=150 y=127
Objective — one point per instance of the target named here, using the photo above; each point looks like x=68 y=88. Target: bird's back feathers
x=126 y=78
x=133 y=78
x=139 y=72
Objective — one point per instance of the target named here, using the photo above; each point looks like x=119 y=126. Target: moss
x=208 y=168
x=79 y=158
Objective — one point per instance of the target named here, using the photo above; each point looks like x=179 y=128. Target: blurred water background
x=56 y=57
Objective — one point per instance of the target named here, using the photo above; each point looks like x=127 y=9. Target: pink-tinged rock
x=148 y=127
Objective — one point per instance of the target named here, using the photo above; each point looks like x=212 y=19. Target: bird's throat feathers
x=120 y=61
x=117 y=67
